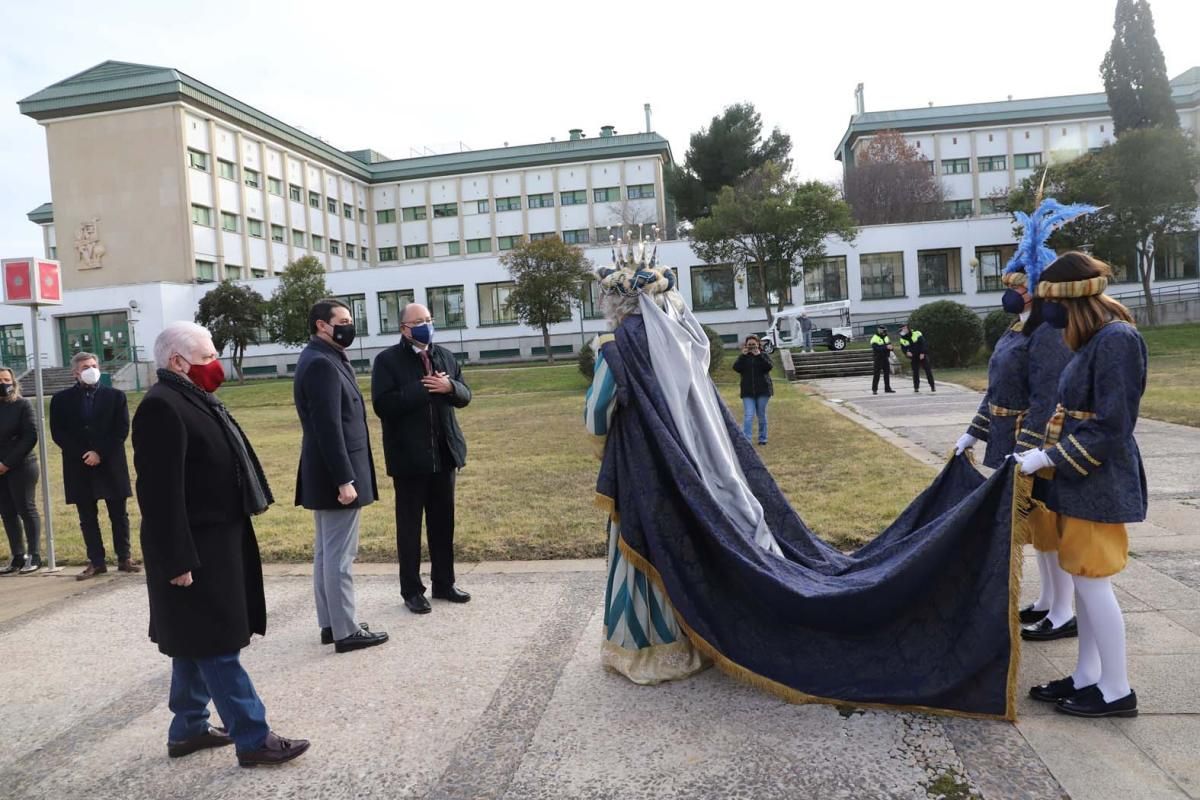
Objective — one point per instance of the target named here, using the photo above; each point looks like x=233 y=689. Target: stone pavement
x=1158 y=753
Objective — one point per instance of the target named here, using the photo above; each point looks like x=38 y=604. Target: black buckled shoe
x=213 y=737
x=327 y=633
x=418 y=604
x=1089 y=702
x=453 y=595
x=360 y=640
x=1057 y=690
x=1045 y=631
x=275 y=750
x=1030 y=615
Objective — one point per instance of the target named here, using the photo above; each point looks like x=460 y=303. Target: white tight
x=1057 y=589
x=1101 y=639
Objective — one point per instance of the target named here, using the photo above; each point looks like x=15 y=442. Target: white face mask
x=90 y=376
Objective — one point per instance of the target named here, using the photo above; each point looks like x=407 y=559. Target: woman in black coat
x=754 y=366
x=18 y=478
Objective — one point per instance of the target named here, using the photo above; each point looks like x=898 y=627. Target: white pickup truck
x=831 y=327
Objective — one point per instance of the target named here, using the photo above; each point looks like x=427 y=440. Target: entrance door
x=106 y=335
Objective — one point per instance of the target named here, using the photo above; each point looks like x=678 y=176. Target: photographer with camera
x=754 y=366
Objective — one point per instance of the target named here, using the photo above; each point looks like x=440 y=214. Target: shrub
x=953 y=332
x=586 y=359
x=994 y=326
x=716 y=350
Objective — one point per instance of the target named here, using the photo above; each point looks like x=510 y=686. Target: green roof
x=1185 y=92
x=119 y=84
x=42 y=215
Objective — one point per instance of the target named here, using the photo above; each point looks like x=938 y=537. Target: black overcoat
x=104 y=432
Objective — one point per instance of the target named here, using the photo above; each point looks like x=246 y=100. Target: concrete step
x=53 y=379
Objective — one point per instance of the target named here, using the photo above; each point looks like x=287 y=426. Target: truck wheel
x=768 y=346
x=839 y=343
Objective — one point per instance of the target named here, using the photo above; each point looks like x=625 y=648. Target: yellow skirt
x=1091 y=549
x=1043 y=527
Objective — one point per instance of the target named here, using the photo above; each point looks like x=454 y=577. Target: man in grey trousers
x=336 y=477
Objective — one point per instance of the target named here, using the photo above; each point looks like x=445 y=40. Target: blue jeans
x=751 y=407
x=194 y=681
x=806 y=338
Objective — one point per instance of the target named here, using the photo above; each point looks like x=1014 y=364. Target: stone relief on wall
x=87 y=244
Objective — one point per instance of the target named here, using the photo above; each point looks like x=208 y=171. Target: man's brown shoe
x=213 y=737
x=128 y=565
x=91 y=571
x=275 y=750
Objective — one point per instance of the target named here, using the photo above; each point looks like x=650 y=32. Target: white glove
x=965 y=442
x=1033 y=460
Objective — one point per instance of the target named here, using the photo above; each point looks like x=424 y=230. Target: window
x=409 y=213
x=605 y=234
x=939 y=272
x=362 y=216
x=576 y=198
x=205 y=271
x=451 y=248
x=258 y=273
x=958 y=209
x=276 y=233
x=993 y=205
x=826 y=281
x=479 y=246
x=275 y=186
x=609 y=194
x=294 y=192
x=712 y=288
x=641 y=191
x=882 y=275
x=347 y=211
x=541 y=200
x=358 y=310
x=589 y=296
x=385 y=215
x=350 y=250
x=446 y=306
x=229 y=222
x=754 y=283
x=388 y=253
x=1027 y=160
x=507 y=204
x=233 y=272
x=53 y=255
x=579 y=236
x=198 y=160
x=12 y=344
x=331 y=205
x=298 y=239
x=318 y=243
x=202 y=215
x=314 y=199
x=494 y=308
x=251 y=178
x=1176 y=256
x=508 y=242
x=226 y=170
x=537 y=237
x=992 y=261
x=993 y=163
x=442 y=210
x=391 y=309
x=335 y=247
x=956 y=166
x=415 y=251
x=254 y=227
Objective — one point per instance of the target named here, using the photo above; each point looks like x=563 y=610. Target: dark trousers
x=18 y=506
x=89 y=523
x=222 y=679
x=917 y=363
x=432 y=496
x=882 y=367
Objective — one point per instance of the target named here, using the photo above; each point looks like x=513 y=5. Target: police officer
x=912 y=344
x=881 y=346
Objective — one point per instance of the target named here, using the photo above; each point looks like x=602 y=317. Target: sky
x=404 y=78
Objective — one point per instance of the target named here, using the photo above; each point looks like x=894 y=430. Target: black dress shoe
x=360 y=640
x=213 y=737
x=1090 y=703
x=1030 y=615
x=1057 y=690
x=1044 y=631
x=327 y=633
x=889 y=391
x=453 y=594
x=418 y=604
x=275 y=750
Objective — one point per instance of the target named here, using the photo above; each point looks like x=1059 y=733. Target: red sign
x=49 y=283
x=18 y=286
x=32 y=281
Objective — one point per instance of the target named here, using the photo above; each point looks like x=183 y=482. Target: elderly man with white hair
x=198 y=484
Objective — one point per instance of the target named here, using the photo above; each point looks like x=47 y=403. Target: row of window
x=255 y=229
x=577 y=236
x=253 y=178
x=962 y=166
x=206 y=272
x=513 y=203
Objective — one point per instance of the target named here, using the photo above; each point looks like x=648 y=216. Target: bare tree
x=890 y=181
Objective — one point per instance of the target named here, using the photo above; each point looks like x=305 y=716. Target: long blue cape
x=923 y=617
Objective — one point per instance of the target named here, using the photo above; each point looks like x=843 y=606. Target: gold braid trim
x=1068 y=289
x=1070 y=460
x=1071 y=438
x=738 y=672
x=606 y=503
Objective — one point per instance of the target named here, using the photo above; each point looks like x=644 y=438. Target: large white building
x=162 y=185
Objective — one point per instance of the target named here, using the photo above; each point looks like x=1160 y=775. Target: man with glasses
x=415 y=387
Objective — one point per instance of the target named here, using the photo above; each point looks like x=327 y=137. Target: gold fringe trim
x=606 y=503
x=1022 y=507
x=738 y=672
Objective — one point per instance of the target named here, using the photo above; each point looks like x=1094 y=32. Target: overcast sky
x=397 y=76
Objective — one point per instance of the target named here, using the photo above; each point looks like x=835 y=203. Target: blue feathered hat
x=1032 y=255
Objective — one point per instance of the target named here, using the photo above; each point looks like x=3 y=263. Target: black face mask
x=6 y=389
x=1055 y=315
x=1013 y=301
x=344 y=334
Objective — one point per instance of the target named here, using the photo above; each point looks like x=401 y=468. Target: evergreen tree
x=1135 y=72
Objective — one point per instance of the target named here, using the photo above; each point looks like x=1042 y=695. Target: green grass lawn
x=528 y=486
x=1172 y=385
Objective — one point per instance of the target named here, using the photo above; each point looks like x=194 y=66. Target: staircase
x=53 y=379
x=832 y=364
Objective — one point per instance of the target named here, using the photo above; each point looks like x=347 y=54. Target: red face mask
x=208 y=377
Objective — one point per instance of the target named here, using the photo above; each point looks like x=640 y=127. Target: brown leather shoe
x=128 y=565
x=275 y=750
x=91 y=571
x=213 y=737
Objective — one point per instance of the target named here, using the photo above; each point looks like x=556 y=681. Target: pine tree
x=1135 y=72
